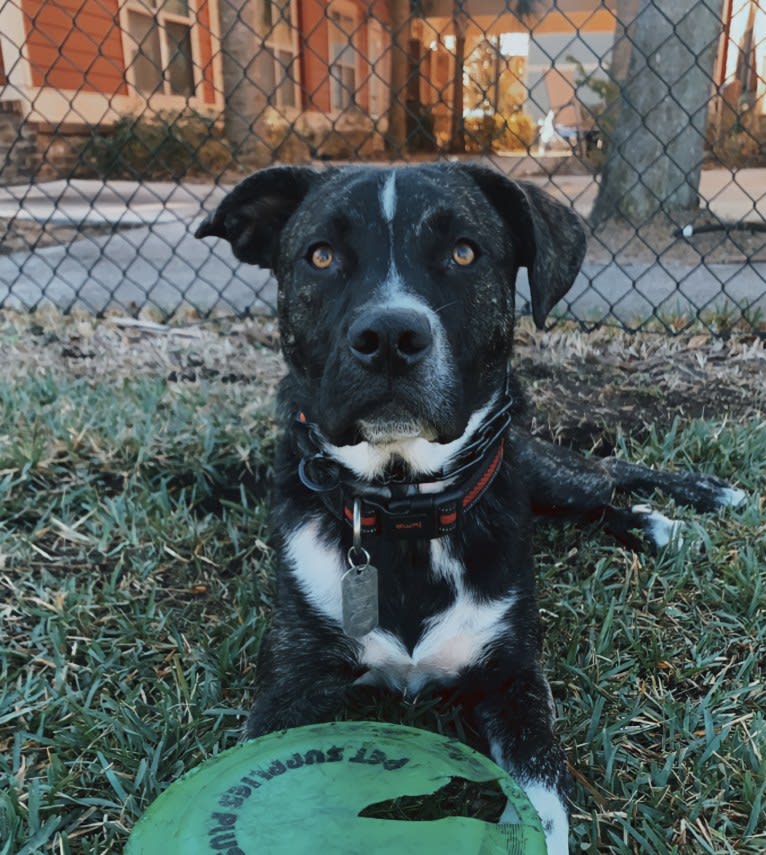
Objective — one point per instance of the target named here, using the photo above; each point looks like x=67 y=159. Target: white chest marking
x=445 y=566
x=318 y=568
x=451 y=641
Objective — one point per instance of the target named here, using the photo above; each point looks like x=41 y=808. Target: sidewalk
x=155 y=259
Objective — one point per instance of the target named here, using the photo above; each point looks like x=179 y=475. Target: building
x=307 y=78
x=288 y=79
x=69 y=66
x=547 y=53
x=334 y=61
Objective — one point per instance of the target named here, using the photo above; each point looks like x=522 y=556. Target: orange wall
x=205 y=45
x=313 y=24
x=75 y=45
x=314 y=54
x=597 y=21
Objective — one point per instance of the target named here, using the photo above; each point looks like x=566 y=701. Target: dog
x=405 y=490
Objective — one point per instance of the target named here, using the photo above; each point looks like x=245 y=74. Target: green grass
x=135 y=578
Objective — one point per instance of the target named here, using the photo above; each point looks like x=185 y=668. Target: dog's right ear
x=253 y=215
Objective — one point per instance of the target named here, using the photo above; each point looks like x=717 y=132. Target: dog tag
x=359 y=587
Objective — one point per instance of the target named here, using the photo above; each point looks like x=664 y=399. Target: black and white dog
x=404 y=490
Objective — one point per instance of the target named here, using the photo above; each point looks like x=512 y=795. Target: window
x=281 y=43
x=160 y=42
x=343 y=56
x=380 y=69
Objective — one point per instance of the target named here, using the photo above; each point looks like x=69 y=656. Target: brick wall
x=18 y=145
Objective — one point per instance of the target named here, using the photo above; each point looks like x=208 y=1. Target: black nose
x=391 y=340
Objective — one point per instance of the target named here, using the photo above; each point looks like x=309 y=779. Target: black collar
x=395 y=508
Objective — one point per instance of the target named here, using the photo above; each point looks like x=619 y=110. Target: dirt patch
x=711 y=241
x=582 y=389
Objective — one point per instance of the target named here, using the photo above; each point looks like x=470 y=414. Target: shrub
x=164 y=145
x=496 y=132
x=480 y=132
x=519 y=131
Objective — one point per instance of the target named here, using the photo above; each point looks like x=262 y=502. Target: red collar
x=425 y=515
x=401 y=511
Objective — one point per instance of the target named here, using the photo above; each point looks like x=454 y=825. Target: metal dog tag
x=359 y=588
x=359 y=585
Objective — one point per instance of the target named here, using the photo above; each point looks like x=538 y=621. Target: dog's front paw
x=730 y=497
x=554 y=819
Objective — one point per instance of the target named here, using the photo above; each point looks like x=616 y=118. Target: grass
x=135 y=571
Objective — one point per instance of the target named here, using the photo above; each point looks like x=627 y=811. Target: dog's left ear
x=253 y=215
x=549 y=237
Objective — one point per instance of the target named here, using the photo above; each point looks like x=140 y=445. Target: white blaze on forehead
x=393 y=283
x=388 y=198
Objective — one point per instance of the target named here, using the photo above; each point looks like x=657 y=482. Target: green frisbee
x=303 y=790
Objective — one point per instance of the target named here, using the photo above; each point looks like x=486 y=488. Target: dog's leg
x=640 y=526
x=301 y=679
x=517 y=721
x=563 y=483
x=704 y=493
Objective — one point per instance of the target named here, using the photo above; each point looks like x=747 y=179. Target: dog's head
x=396 y=287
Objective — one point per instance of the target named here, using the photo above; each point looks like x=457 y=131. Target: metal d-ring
x=357 y=550
x=308 y=481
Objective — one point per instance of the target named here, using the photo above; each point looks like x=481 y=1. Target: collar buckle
x=428 y=516
x=421 y=517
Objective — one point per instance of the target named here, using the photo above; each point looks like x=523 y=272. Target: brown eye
x=321 y=256
x=463 y=253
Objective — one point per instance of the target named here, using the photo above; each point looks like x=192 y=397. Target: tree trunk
x=457 y=129
x=655 y=157
x=624 y=36
x=396 y=136
x=243 y=93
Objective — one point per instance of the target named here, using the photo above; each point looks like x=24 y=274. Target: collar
x=395 y=508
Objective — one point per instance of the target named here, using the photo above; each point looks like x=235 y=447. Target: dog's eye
x=463 y=253
x=321 y=256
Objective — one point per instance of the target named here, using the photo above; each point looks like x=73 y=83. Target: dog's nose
x=390 y=339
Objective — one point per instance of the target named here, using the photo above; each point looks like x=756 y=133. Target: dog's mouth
x=390 y=427
x=382 y=419
x=392 y=448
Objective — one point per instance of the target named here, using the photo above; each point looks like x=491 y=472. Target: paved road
x=161 y=265
x=157 y=260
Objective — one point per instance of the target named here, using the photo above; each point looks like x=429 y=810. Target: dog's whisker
x=445 y=306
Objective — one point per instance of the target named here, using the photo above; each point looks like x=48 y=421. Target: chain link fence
x=123 y=121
